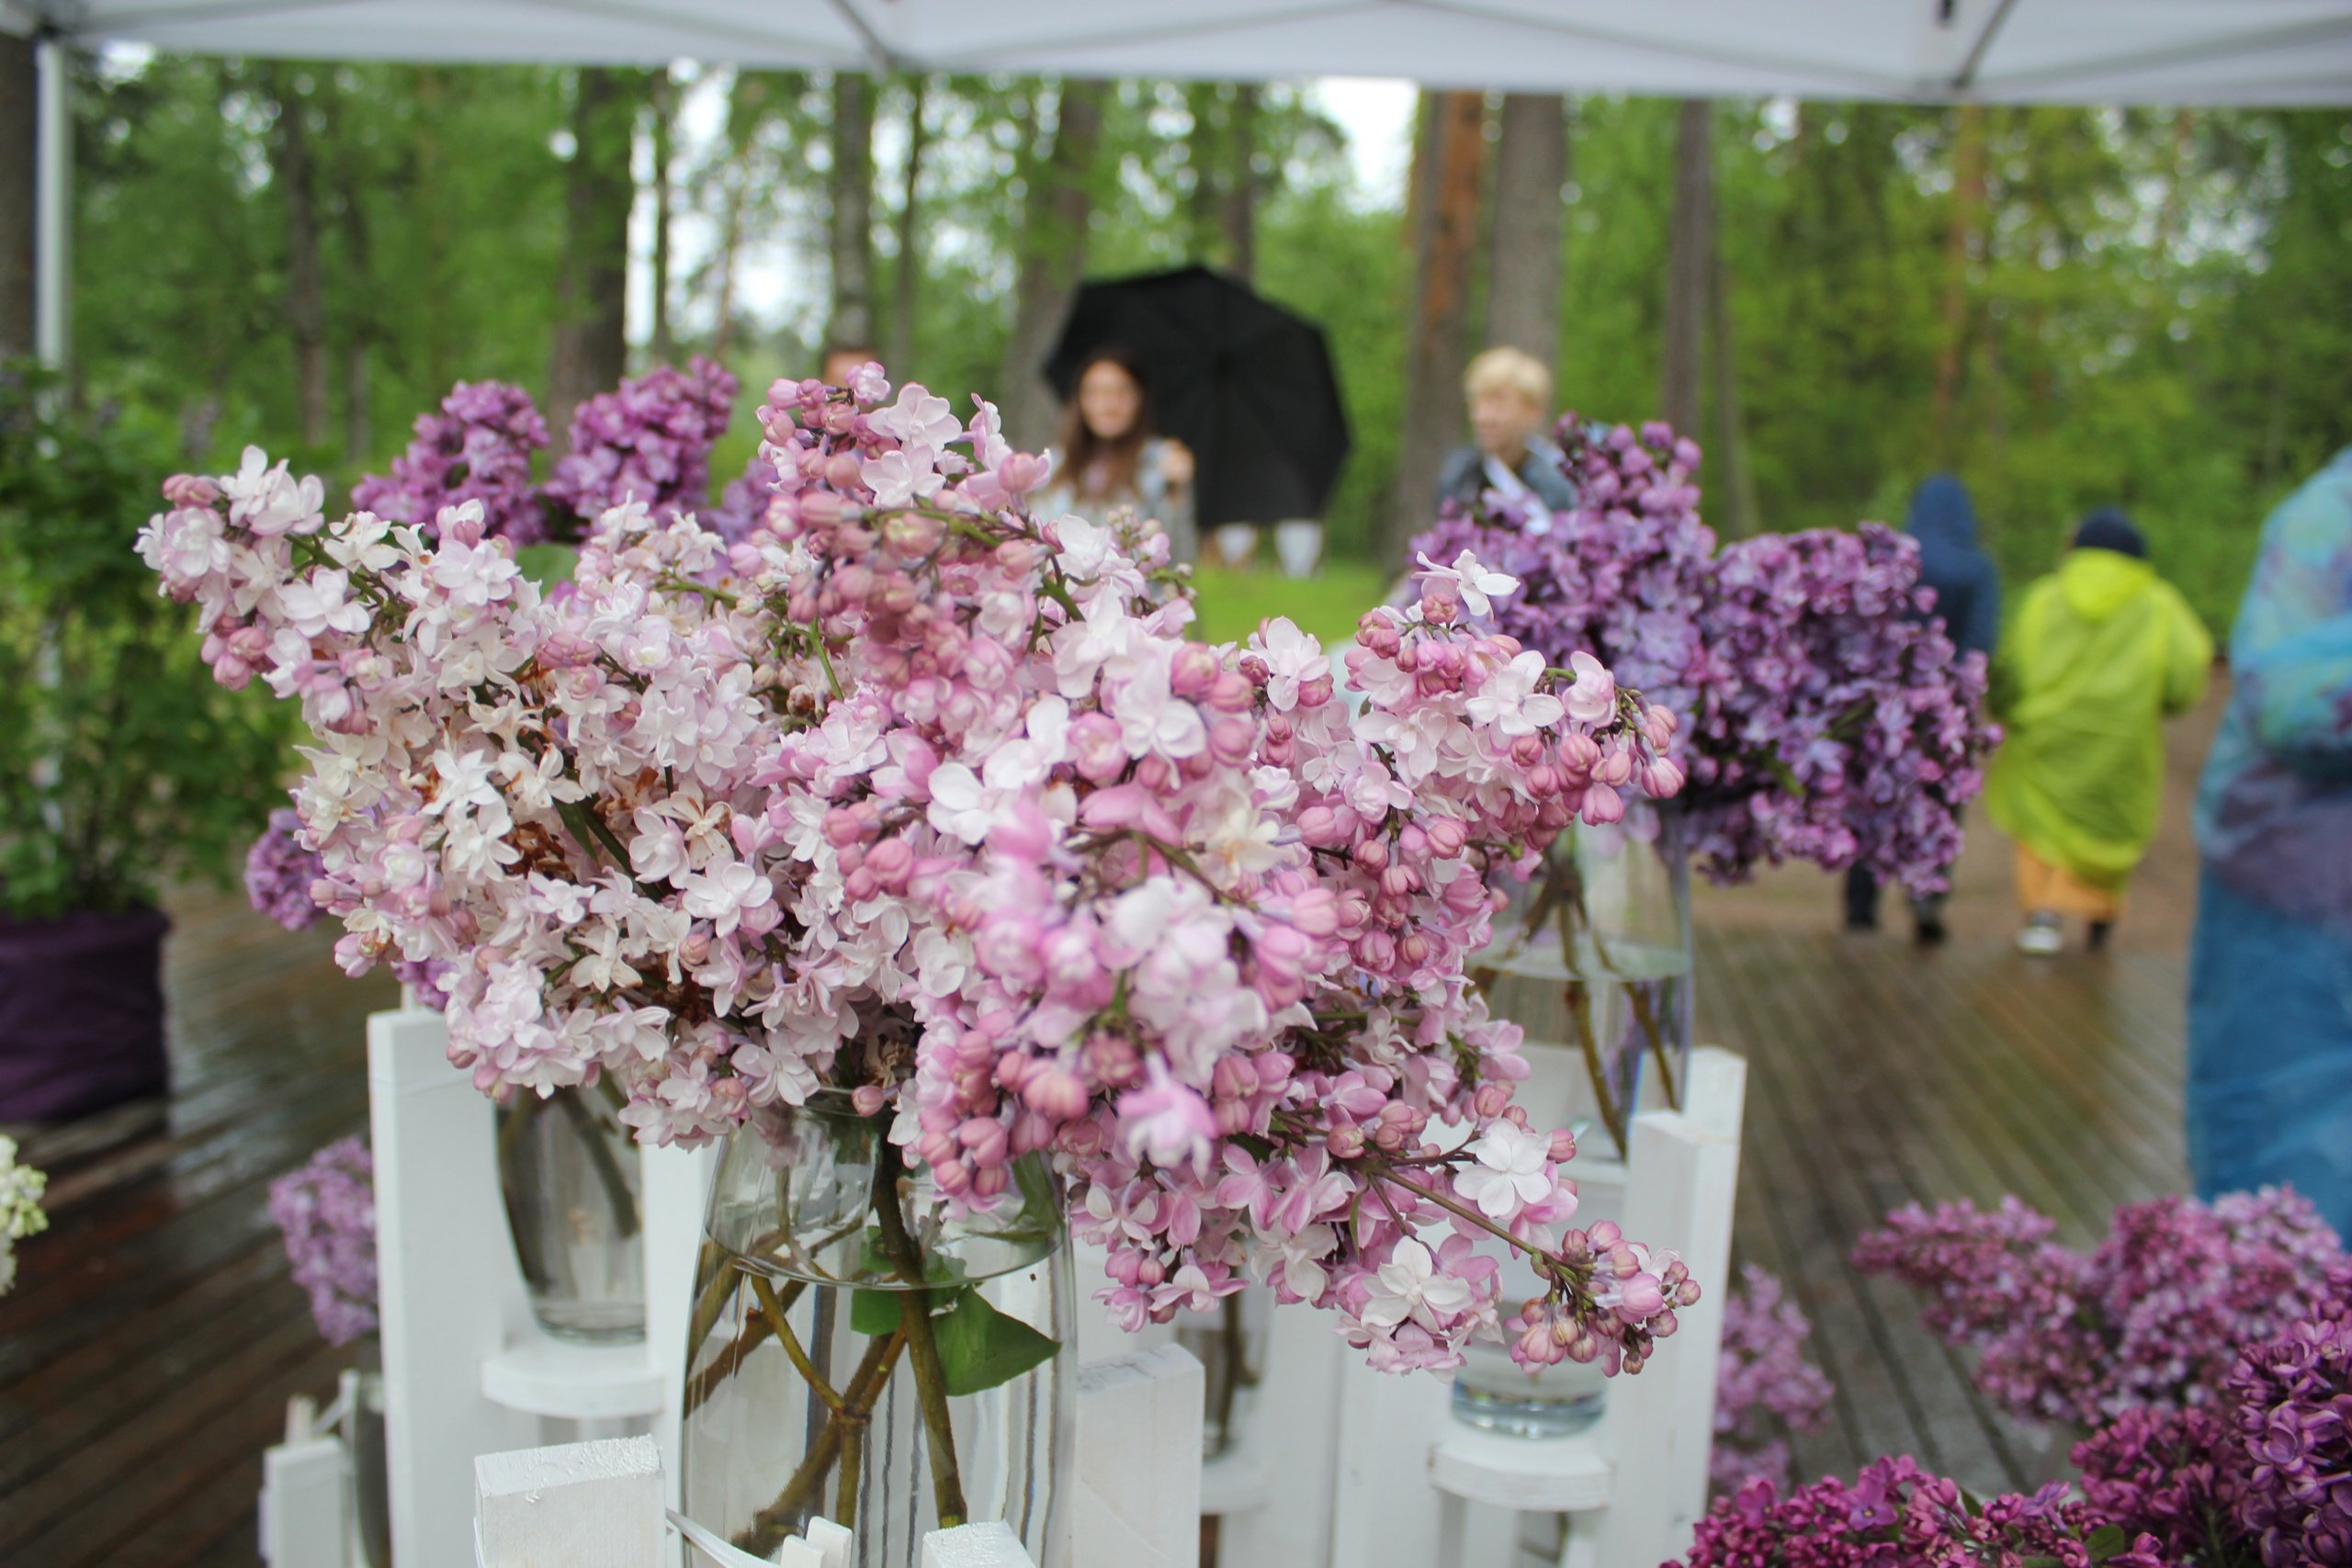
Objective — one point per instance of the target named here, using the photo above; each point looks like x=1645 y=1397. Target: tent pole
x=53 y=199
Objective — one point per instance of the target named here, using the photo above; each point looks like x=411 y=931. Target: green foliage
x=121 y=763
x=1326 y=605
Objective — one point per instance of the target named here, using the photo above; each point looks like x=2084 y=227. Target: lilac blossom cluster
x=326 y=1210
x=1764 y=1384
x=2155 y=1316
x=1824 y=718
x=477 y=448
x=913 y=794
x=1895 y=1515
x=279 y=872
x=649 y=440
x=1850 y=732
x=2293 y=1400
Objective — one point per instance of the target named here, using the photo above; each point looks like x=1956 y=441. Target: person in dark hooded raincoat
x=1968 y=602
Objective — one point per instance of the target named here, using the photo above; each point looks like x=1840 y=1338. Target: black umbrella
x=1244 y=383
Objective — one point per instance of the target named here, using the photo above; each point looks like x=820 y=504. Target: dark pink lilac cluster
x=2293 y=1400
x=1848 y=730
x=1763 y=1385
x=2155 y=1316
x=280 y=870
x=2174 y=1473
x=1825 y=717
x=1898 y=1516
x=326 y=1210
x=648 y=440
x=477 y=448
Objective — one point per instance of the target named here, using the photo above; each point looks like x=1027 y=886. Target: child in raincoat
x=2270 y=972
x=2101 y=651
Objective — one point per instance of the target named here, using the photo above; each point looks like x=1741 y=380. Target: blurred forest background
x=2067 y=306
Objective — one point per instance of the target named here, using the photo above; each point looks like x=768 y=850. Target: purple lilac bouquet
x=279 y=872
x=1847 y=731
x=2293 y=1407
x=649 y=441
x=476 y=449
x=1897 y=1515
x=1824 y=719
x=326 y=1210
x=1764 y=1383
x=919 y=797
x=2153 y=1317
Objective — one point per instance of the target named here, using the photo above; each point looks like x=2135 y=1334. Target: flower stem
x=922 y=1350
x=773 y=1523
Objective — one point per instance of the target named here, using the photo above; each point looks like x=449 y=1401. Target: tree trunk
x=19 y=125
x=1220 y=150
x=1238 y=213
x=1736 y=481
x=429 y=198
x=907 y=296
x=306 y=301
x=1689 y=245
x=1053 y=255
x=1449 y=158
x=1531 y=167
x=361 y=326
x=666 y=109
x=592 y=287
x=1967 y=212
x=851 y=321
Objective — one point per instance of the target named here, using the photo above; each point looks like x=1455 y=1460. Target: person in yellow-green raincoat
x=2100 y=653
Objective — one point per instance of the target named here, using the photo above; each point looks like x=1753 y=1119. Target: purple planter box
x=80 y=1013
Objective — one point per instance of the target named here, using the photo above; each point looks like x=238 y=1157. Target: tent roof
x=2172 y=52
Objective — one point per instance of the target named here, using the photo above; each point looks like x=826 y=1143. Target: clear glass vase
x=1230 y=1344
x=569 y=1171
x=1591 y=957
x=866 y=1349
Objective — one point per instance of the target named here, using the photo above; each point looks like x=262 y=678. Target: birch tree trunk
x=1449 y=159
x=1690 y=249
x=1531 y=167
x=850 y=322
x=1060 y=202
x=591 y=351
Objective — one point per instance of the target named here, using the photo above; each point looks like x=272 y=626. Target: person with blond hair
x=1510 y=402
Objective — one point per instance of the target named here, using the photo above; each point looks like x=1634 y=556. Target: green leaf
x=876 y=1313
x=980 y=1347
x=2104 y=1542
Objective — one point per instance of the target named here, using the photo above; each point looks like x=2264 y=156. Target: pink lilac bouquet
x=919 y=797
x=649 y=440
x=1764 y=1384
x=279 y=872
x=476 y=449
x=1824 y=717
x=2155 y=1316
x=1897 y=1515
x=326 y=1210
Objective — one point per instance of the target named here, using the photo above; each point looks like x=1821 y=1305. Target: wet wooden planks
x=1881 y=1073
x=152 y=1341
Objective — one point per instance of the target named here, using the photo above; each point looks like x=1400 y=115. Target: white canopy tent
x=2167 y=51
x=2170 y=51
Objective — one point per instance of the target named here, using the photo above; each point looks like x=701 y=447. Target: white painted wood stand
x=466 y=1370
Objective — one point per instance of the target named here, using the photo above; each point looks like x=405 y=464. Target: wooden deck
x=148 y=1352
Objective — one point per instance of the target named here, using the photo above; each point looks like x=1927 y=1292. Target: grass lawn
x=1326 y=605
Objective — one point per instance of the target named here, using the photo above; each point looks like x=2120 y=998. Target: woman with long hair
x=1112 y=454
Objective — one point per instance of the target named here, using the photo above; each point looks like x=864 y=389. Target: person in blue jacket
x=1968 y=602
x=2270 y=968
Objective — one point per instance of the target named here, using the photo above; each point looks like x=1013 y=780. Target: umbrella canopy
x=1244 y=383
x=2166 y=51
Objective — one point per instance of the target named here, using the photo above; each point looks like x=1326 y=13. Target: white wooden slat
x=1139 y=1504
x=576 y=1506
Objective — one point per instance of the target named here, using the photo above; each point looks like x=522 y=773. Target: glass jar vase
x=569 y=1172
x=1592 y=957
x=865 y=1349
